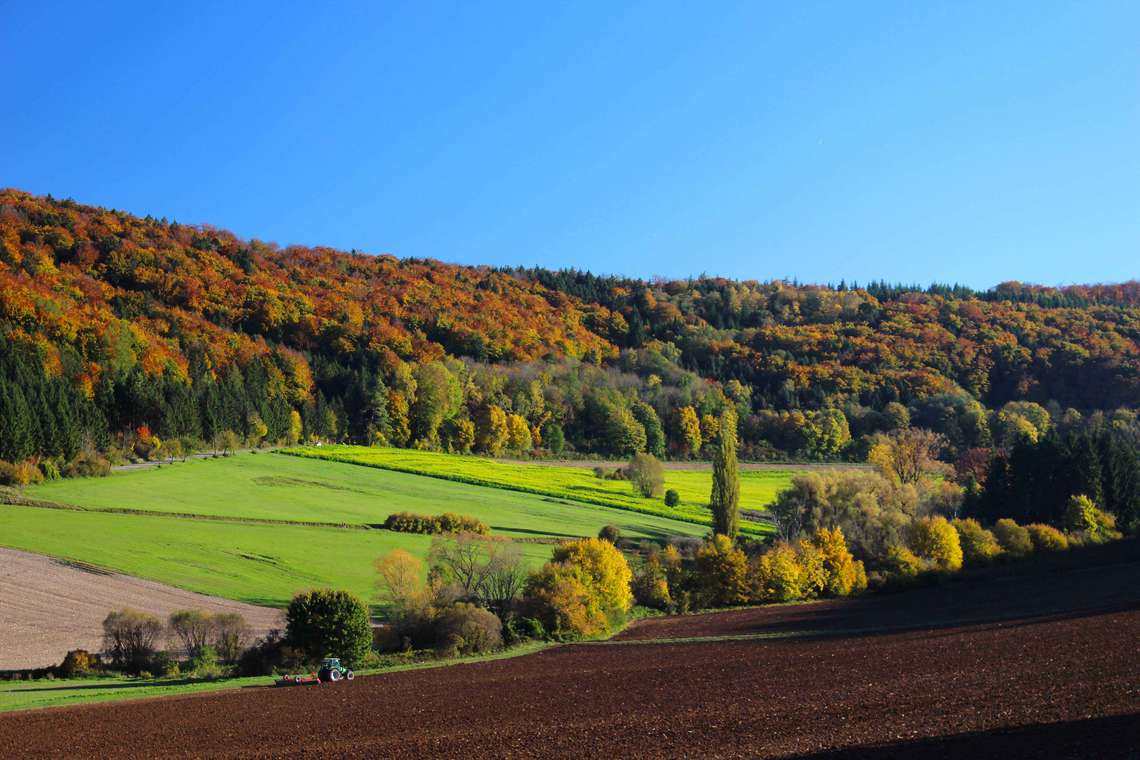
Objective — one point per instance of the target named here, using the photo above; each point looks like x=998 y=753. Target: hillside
x=121 y=333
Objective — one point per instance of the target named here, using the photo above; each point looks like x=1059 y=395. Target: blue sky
x=917 y=142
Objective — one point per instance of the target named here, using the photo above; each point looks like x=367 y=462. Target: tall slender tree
x=725 y=499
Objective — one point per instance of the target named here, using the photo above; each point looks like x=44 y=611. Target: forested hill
x=118 y=332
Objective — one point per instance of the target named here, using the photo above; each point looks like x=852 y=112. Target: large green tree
x=725 y=498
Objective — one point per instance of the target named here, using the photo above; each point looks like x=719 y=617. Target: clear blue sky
x=913 y=141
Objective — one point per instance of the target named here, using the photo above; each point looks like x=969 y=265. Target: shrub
x=204 y=664
x=77 y=663
x=268 y=655
x=328 y=623
x=723 y=571
x=192 y=628
x=650 y=584
x=904 y=563
x=777 y=575
x=129 y=637
x=464 y=628
x=448 y=522
x=231 y=632
x=979 y=545
x=672 y=498
x=165 y=665
x=584 y=589
x=50 y=469
x=647 y=475
x=936 y=540
x=842 y=573
x=1084 y=518
x=87 y=464
x=611 y=533
x=1046 y=538
x=1013 y=538
x=20 y=474
x=520 y=629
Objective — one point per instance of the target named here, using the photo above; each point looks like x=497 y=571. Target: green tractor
x=332 y=671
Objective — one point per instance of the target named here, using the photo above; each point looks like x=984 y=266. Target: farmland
x=996 y=676
x=276 y=487
x=194 y=525
x=757 y=487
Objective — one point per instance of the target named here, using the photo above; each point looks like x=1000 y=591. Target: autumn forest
x=126 y=334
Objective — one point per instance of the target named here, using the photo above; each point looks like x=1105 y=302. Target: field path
x=50 y=606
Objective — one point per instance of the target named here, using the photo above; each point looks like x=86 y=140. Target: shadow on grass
x=1112 y=738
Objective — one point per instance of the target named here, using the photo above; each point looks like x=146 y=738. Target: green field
x=758 y=488
x=215 y=552
x=277 y=487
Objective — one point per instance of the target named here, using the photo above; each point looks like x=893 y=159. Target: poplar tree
x=725 y=499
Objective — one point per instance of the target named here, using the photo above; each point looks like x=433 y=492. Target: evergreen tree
x=725 y=499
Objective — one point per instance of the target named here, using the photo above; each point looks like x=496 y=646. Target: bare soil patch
x=1060 y=686
x=50 y=606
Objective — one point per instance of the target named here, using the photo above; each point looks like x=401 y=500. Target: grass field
x=267 y=563
x=277 y=487
x=758 y=488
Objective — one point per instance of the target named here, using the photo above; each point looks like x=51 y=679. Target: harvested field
x=1043 y=685
x=50 y=606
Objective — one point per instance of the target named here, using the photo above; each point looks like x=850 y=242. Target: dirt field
x=50 y=606
x=1052 y=672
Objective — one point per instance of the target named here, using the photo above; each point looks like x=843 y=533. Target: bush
x=328 y=623
x=192 y=628
x=650 y=583
x=611 y=533
x=583 y=590
x=979 y=545
x=231 y=632
x=1084 y=518
x=521 y=629
x=464 y=628
x=1046 y=538
x=269 y=655
x=647 y=475
x=87 y=464
x=20 y=474
x=204 y=664
x=672 y=498
x=902 y=562
x=448 y=522
x=50 y=469
x=78 y=663
x=935 y=539
x=842 y=573
x=777 y=575
x=723 y=571
x=129 y=637
x=1013 y=538
x=165 y=665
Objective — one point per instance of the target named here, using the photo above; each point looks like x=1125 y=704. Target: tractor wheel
x=335 y=675
x=349 y=675
x=296 y=679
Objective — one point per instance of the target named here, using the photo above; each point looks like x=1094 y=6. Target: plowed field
x=1060 y=678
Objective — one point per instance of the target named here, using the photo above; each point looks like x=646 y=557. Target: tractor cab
x=332 y=670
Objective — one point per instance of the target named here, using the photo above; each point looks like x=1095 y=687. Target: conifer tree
x=725 y=499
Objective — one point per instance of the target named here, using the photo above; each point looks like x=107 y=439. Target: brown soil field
x=50 y=606
x=1054 y=672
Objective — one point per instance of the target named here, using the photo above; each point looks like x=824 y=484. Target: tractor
x=332 y=670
